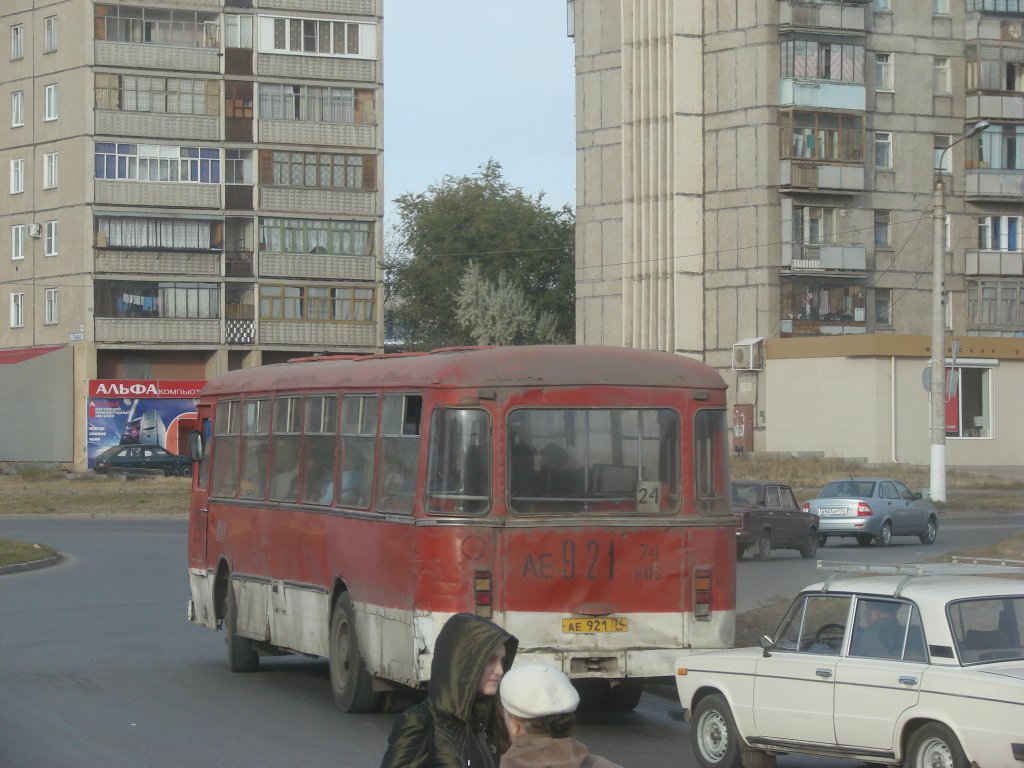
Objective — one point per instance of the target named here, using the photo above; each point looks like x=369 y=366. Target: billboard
x=140 y=412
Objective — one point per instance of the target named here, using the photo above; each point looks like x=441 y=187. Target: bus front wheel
x=351 y=680
x=242 y=656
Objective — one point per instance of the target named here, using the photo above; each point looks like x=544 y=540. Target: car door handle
x=908 y=680
x=822 y=672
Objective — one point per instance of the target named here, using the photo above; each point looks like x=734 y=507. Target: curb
x=32 y=565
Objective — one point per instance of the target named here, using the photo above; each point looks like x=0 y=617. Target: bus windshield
x=458 y=464
x=593 y=460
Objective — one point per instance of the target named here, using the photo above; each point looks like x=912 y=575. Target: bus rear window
x=610 y=461
x=458 y=464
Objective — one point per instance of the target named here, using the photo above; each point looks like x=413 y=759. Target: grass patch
x=13 y=552
x=46 y=493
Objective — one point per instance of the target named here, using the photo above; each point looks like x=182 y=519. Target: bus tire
x=242 y=656
x=625 y=696
x=351 y=681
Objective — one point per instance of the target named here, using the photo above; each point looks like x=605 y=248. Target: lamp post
x=938 y=365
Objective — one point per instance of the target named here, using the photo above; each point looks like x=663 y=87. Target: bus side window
x=399 y=451
x=319 y=442
x=284 y=447
x=358 y=434
x=255 y=441
x=225 y=448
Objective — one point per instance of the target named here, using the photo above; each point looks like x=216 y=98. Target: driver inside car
x=878 y=632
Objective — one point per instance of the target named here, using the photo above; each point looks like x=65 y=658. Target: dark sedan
x=768 y=517
x=142 y=457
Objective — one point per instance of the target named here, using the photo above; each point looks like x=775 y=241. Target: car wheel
x=864 y=539
x=810 y=546
x=186 y=471
x=822 y=540
x=351 y=680
x=763 y=546
x=713 y=734
x=885 y=535
x=935 y=746
x=242 y=656
x=741 y=550
x=930 y=532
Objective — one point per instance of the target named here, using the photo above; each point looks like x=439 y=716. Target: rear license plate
x=831 y=511
x=601 y=624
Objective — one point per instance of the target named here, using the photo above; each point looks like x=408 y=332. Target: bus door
x=199 y=511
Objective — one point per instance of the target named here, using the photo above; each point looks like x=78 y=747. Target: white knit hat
x=537 y=690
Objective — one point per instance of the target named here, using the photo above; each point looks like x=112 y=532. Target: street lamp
x=938 y=364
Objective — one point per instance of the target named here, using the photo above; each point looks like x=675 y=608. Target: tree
x=524 y=257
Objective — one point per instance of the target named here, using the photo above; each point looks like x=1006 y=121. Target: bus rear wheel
x=242 y=656
x=624 y=697
x=351 y=681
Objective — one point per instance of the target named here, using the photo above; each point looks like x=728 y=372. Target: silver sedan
x=873 y=509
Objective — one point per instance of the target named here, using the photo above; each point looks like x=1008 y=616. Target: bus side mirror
x=195 y=442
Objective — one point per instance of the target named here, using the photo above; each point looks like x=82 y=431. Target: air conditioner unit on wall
x=748 y=354
x=35 y=230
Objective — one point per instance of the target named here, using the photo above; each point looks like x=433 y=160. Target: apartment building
x=194 y=187
x=755 y=187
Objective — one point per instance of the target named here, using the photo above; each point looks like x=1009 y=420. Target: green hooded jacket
x=453 y=727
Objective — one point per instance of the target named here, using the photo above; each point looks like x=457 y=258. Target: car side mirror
x=195 y=444
x=767 y=643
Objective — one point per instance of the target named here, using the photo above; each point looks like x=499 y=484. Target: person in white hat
x=540 y=705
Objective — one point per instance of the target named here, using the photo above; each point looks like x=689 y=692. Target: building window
x=52 y=107
x=237 y=31
x=139 y=233
x=814 y=225
x=883 y=224
x=127 y=24
x=999 y=233
x=50 y=316
x=338 y=238
x=941 y=144
x=814 y=60
x=316 y=104
x=152 y=299
x=316 y=303
x=942 y=80
x=17 y=42
x=17 y=242
x=17 y=175
x=996 y=304
x=157 y=163
x=322 y=170
x=50 y=167
x=883 y=149
x=319 y=37
x=238 y=166
x=994 y=68
x=995 y=6
x=883 y=5
x=50 y=237
x=940 y=7
x=998 y=146
x=969 y=411
x=883 y=72
x=18 y=310
x=883 y=307
x=821 y=299
x=829 y=136
x=161 y=95
x=17 y=109
x=49 y=34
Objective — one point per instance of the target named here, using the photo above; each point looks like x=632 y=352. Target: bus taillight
x=482 y=593
x=702 y=594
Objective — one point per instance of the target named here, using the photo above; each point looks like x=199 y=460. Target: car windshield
x=988 y=629
x=847 y=489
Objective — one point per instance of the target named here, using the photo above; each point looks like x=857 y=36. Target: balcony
x=238 y=264
x=317 y=265
x=352 y=202
x=1002 y=263
x=148 y=125
x=824 y=94
x=993 y=184
x=789 y=328
x=352 y=135
x=808 y=175
x=824 y=257
x=158 y=330
x=163 y=194
x=994 y=105
x=847 y=16
x=319 y=335
x=161 y=57
x=361 y=7
x=337 y=70
x=123 y=262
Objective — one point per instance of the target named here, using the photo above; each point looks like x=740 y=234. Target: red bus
x=345 y=507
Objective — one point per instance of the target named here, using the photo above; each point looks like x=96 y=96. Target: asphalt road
x=98 y=666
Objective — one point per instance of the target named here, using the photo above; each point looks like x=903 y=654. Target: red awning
x=14 y=356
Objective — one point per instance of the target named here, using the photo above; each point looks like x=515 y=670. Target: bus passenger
x=540 y=705
x=458 y=724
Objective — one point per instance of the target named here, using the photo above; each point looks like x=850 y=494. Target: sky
x=470 y=80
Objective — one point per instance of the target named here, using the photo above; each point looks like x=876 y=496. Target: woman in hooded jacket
x=458 y=725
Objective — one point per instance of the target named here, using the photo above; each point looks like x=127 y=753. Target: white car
x=922 y=667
